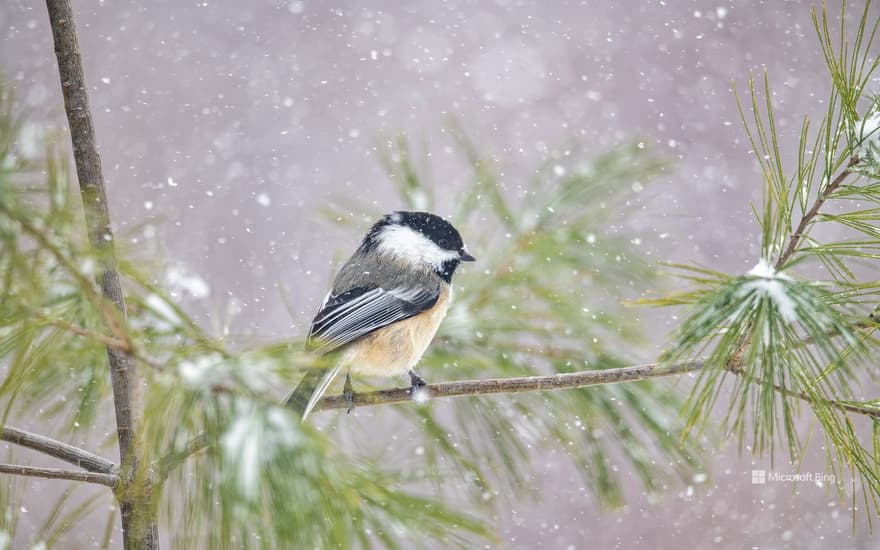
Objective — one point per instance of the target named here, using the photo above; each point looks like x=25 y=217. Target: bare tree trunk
x=138 y=523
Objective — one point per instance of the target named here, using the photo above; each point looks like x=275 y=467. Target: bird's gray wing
x=359 y=311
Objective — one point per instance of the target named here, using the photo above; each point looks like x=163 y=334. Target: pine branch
x=138 y=524
x=165 y=465
x=58 y=449
x=561 y=381
x=552 y=382
x=795 y=240
x=107 y=311
x=108 y=480
x=108 y=341
x=843 y=406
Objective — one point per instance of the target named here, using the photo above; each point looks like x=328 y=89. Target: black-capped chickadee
x=386 y=303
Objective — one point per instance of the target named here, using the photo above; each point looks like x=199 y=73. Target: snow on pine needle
x=771 y=329
x=766 y=282
x=254 y=439
x=759 y=299
x=867 y=138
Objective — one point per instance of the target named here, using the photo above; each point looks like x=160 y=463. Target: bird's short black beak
x=465 y=257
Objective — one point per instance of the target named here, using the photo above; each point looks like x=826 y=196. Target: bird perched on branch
x=386 y=304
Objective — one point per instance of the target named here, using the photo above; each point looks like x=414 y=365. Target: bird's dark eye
x=443 y=243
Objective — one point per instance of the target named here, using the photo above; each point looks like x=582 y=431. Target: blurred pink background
x=226 y=127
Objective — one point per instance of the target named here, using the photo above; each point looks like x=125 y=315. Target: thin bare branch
x=553 y=382
x=58 y=449
x=550 y=382
x=138 y=523
x=561 y=381
x=94 y=197
x=108 y=480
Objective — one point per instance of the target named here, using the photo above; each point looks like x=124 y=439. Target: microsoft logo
x=759 y=476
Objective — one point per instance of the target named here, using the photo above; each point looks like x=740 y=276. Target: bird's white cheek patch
x=410 y=245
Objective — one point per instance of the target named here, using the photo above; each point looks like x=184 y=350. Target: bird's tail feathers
x=310 y=389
